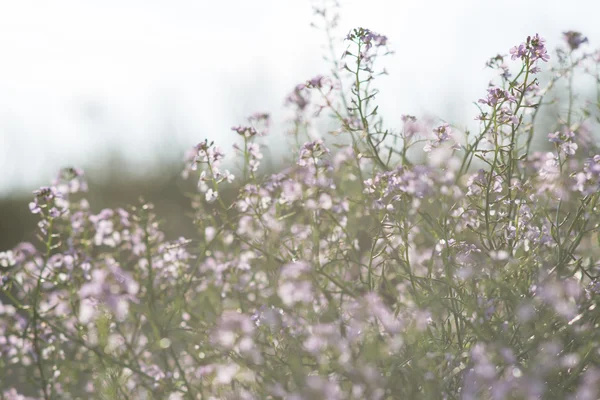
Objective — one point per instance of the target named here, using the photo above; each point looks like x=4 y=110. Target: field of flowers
x=365 y=269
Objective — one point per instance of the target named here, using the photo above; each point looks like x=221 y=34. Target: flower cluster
x=442 y=134
x=496 y=95
x=311 y=153
x=532 y=50
x=48 y=200
x=367 y=37
x=564 y=141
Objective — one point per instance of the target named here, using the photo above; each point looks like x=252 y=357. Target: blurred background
x=122 y=88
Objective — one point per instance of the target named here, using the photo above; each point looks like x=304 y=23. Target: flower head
x=574 y=39
x=534 y=49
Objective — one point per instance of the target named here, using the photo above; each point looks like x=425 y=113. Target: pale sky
x=82 y=76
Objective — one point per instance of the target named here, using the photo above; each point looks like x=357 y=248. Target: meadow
x=413 y=262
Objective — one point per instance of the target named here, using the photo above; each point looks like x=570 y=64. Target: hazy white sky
x=79 y=76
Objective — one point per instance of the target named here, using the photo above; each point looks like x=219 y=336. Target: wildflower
x=367 y=37
x=568 y=148
x=70 y=180
x=316 y=82
x=574 y=39
x=245 y=131
x=291 y=191
x=299 y=97
x=555 y=137
x=310 y=152
x=255 y=156
x=496 y=95
x=211 y=195
x=442 y=134
x=533 y=49
x=48 y=200
x=264 y=119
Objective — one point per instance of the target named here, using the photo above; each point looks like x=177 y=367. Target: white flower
x=211 y=195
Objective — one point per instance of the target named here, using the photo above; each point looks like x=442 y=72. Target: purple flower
x=264 y=118
x=255 y=156
x=23 y=251
x=245 y=131
x=442 y=134
x=537 y=47
x=555 y=137
x=569 y=148
x=496 y=95
x=534 y=49
x=299 y=97
x=48 y=200
x=367 y=37
x=310 y=152
x=70 y=180
x=366 y=40
x=519 y=51
x=316 y=82
x=574 y=39
x=593 y=288
x=291 y=191
x=271 y=316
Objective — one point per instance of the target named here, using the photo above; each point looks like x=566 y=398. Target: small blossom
x=555 y=137
x=316 y=82
x=442 y=134
x=574 y=39
x=48 y=201
x=568 y=148
x=497 y=95
x=211 y=195
x=245 y=131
